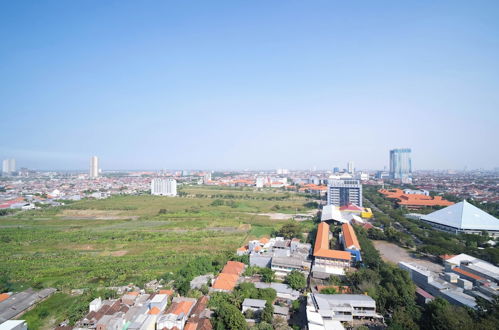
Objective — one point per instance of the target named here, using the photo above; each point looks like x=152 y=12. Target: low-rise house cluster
x=141 y=311
x=281 y=255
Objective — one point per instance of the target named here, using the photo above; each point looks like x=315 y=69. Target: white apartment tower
x=350 y=168
x=8 y=166
x=94 y=167
x=164 y=187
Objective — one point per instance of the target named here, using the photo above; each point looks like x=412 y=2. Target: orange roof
x=191 y=326
x=233 y=267
x=414 y=199
x=312 y=186
x=225 y=281
x=447 y=256
x=466 y=273
x=321 y=247
x=258 y=248
x=264 y=240
x=168 y=292
x=134 y=293
x=242 y=248
x=154 y=311
x=349 y=236
x=4 y=296
x=182 y=307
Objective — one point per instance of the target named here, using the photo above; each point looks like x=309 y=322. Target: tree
x=440 y=315
x=291 y=230
x=403 y=319
x=296 y=280
x=267 y=275
x=268 y=313
x=329 y=291
x=230 y=317
x=267 y=294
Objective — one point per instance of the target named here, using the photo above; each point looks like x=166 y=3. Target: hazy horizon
x=249 y=85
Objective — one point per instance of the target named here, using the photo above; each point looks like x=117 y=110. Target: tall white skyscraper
x=164 y=187
x=350 y=167
x=400 y=164
x=8 y=166
x=94 y=167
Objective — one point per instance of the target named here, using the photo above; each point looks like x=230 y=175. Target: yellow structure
x=366 y=213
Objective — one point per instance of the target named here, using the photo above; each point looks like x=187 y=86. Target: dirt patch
x=84 y=247
x=118 y=253
x=277 y=216
x=244 y=227
x=393 y=253
x=95 y=215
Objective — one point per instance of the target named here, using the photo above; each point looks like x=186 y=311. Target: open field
x=95 y=243
x=393 y=253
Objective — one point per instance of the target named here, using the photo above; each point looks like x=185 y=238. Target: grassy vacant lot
x=96 y=243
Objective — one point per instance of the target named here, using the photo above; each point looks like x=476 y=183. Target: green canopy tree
x=296 y=280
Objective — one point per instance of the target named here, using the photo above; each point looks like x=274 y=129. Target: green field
x=123 y=239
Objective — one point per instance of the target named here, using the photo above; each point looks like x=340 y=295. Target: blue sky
x=249 y=84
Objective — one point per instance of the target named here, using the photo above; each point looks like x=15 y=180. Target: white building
x=8 y=166
x=350 y=168
x=207 y=177
x=164 y=187
x=343 y=192
x=253 y=304
x=260 y=181
x=94 y=167
x=342 y=307
x=463 y=217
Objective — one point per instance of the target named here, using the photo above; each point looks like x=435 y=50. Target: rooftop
x=463 y=215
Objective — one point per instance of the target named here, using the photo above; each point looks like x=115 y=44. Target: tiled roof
x=321 y=247
x=414 y=199
x=349 y=236
x=154 y=311
x=264 y=240
x=225 y=281
x=233 y=267
x=182 y=307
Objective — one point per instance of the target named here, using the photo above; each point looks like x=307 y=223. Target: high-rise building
x=400 y=164
x=343 y=192
x=94 y=167
x=164 y=187
x=8 y=166
x=350 y=168
x=207 y=177
x=336 y=170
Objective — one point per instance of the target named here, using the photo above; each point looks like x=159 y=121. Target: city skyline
x=238 y=85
